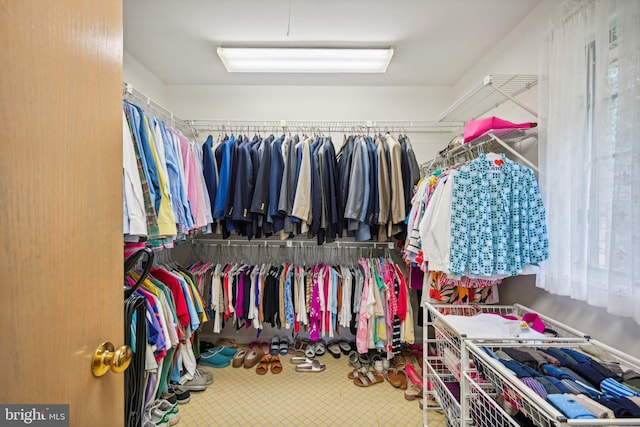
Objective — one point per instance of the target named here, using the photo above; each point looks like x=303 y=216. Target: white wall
x=143 y=80
x=518 y=53
x=318 y=103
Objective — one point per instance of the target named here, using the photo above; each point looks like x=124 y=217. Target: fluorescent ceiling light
x=305 y=60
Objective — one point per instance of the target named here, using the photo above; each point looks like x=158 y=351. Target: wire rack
x=437 y=377
x=492 y=91
x=446 y=363
x=484 y=408
x=509 y=387
x=359 y=126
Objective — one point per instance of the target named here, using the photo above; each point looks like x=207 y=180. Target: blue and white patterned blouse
x=498 y=222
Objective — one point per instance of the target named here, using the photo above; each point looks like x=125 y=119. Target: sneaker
x=166 y=410
x=208 y=376
x=152 y=418
x=170 y=397
x=182 y=396
x=198 y=383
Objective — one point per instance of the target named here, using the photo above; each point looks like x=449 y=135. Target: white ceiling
x=435 y=41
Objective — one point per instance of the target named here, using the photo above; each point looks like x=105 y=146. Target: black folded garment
x=621 y=406
x=587 y=371
x=522 y=357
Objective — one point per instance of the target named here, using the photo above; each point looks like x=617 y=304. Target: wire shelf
x=358 y=126
x=514 y=391
x=494 y=90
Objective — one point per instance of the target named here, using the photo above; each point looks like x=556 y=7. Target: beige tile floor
x=239 y=396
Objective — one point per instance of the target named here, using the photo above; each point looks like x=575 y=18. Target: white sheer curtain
x=590 y=154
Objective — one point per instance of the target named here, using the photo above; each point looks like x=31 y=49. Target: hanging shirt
x=135 y=223
x=498 y=222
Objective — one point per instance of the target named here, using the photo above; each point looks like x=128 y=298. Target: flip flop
x=397 y=378
x=276 y=366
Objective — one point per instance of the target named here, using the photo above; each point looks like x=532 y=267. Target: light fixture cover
x=305 y=60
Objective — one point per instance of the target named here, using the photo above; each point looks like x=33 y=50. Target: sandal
x=283 y=345
x=263 y=366
x=311 y=366
x=276 y=366
x=354 y=360
x=412 y=392
x=297 y=348
x=345 y=347
x=275 y=346
x=300 y=360
x=377 y=363
x=397 y=378
x=361 y=381
x=320 y=348
x=364 y=359
x=310 y=350
x=334 y=349
x=385 y=364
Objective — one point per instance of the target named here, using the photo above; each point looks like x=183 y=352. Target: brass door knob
x=107 y=357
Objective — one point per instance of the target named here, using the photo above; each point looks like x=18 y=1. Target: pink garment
x=362 y=336
x=315 y=315
x=190 y=181
x=478 y=127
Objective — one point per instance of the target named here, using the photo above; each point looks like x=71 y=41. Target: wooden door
x=61 y=204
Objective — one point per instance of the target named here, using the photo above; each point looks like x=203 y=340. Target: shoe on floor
x=208 y=376
x=225 y=351
x=153 y=418
x=275 y=346
x=195 y=384
x=166 y=410
x=215 y=360
x=170 y=397
x=182 y=396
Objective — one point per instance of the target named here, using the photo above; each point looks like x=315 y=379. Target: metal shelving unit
x=492 y=91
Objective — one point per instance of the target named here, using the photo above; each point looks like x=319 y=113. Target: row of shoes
x=311 y=349
x=250 y=357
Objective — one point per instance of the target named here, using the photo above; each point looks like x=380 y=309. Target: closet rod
x=480 y=141
x=134 y=96
x=291 y=243
x=403 y=126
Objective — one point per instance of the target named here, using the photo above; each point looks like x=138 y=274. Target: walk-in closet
x=287 y=213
